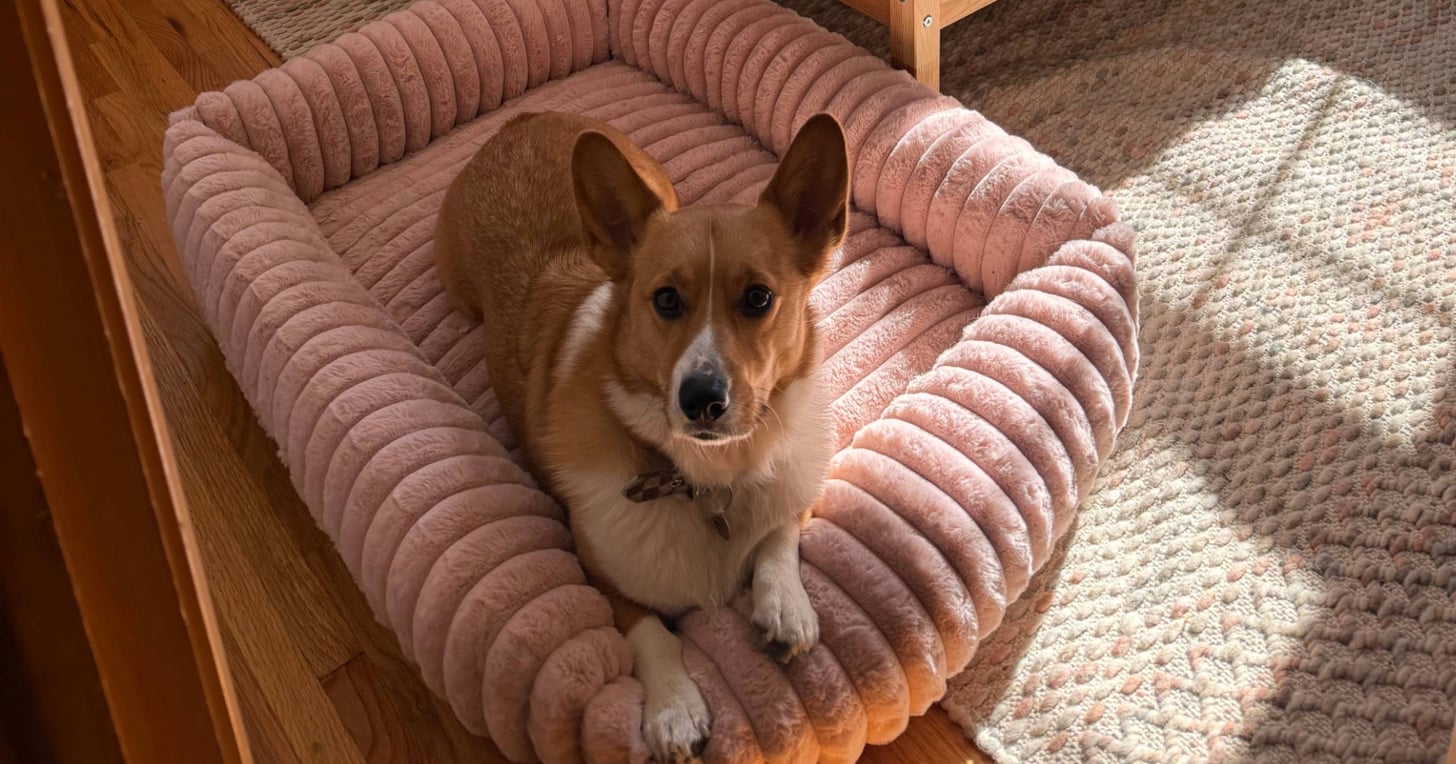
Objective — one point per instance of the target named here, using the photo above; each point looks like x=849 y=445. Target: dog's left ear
x=810 y=191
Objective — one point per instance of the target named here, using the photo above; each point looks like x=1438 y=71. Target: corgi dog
x=660 y=366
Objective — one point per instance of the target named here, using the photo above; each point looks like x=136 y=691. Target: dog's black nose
x=703 y=397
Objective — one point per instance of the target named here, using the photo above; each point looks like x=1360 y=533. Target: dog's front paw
x=785 y=619
x=676 y=722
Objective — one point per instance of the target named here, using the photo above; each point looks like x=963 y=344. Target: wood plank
x=128 y=137
x=266 y=735
x=211 y=33
x=140 y=70
x=294 y=595
x=284 y=693
x=141 y=218
x=81 y=378
x=930 y=738
x=369 y=716
x=95 y=80
x=201 y=371
x=410 y=701
x=165 y=34
x=272 y=598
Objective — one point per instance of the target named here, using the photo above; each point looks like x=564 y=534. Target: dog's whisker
x=769 y=407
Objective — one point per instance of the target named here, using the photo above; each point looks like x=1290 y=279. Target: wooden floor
x=318 y=679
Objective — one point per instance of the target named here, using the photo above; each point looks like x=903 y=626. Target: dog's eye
x=757 y=299
x=667 y=302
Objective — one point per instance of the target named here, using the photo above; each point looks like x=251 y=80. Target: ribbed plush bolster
x=978 y=324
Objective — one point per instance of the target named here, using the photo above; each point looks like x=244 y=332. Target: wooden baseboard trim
x=82 y=383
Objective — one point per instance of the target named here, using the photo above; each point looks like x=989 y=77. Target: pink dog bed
x=303 y=203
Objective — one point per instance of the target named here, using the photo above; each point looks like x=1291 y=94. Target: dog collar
x=649 y=486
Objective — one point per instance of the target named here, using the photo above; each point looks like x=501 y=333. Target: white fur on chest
x=665 y=553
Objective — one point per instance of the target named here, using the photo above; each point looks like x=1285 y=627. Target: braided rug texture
x=292 y=27
x=1266 y=569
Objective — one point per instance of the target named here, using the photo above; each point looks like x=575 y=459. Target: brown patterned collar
x=655 y=484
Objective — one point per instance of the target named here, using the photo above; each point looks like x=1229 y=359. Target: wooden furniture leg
x=1451 y=752
x=915 y=39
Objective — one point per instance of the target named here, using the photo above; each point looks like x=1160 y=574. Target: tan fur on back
x=509 y=245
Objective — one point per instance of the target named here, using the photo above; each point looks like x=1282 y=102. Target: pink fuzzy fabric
x=303 y=204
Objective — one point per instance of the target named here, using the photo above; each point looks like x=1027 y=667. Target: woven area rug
x=1267 y=568
x=291 y=27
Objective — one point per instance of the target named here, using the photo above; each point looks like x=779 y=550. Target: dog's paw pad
x=785 y=620
x=676 y=727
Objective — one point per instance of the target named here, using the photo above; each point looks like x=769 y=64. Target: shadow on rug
x=1266 y=570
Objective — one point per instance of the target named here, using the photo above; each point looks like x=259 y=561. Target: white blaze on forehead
x=712 y=271
x=701 y=354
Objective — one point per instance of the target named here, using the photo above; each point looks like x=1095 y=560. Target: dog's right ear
x=613 y=200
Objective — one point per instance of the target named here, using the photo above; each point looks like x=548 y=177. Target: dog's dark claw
x=698 y=748
x=781 y=651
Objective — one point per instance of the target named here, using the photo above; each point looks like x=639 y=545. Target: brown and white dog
x=660 y=367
